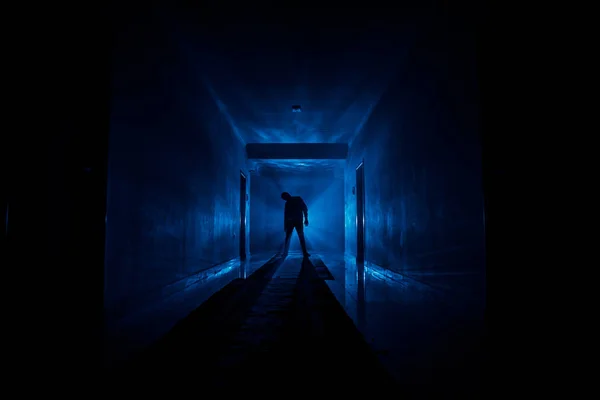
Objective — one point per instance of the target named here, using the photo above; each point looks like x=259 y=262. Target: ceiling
x=257 y=71
x=335 y=63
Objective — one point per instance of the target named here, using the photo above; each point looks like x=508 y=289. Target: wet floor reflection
x=243 y=269
x=415 y=328
x=361 y=297
x=137 y=330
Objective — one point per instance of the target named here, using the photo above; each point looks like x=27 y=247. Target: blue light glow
x=319 y=182
x=318 y=166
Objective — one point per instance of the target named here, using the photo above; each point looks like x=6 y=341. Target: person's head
x=286 y=196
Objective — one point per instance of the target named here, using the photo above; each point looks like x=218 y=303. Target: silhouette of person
x=295 y=208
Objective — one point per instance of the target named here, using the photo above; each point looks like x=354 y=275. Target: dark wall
x=322 y=191
x=174 y=172
x=422 y=154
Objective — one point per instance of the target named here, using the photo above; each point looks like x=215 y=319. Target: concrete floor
x=129 y=335
x=419 y=331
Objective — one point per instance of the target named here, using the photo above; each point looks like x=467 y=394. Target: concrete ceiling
x=257 y=70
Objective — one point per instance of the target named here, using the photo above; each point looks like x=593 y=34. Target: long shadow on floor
x=321 y=342
x=318 y=343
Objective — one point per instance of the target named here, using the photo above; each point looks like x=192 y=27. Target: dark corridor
x=171 y=213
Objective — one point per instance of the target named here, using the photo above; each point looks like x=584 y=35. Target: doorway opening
x=360 y=212
x=243 y=201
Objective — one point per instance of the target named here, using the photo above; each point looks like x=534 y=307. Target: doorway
x=243 y=200
x=360 y=212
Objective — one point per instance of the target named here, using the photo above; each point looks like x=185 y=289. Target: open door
x=360 y=213
x=243 y=200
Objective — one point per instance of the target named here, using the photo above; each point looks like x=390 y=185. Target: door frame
x=243 y=214
x=360 y=212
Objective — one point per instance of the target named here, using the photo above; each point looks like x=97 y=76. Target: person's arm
x=305 y=211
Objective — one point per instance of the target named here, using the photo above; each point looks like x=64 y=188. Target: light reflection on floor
x=132 y=333
x=409 y=324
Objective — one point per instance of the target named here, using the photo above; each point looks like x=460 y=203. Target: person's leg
x=300 y=232
x=288 y=236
